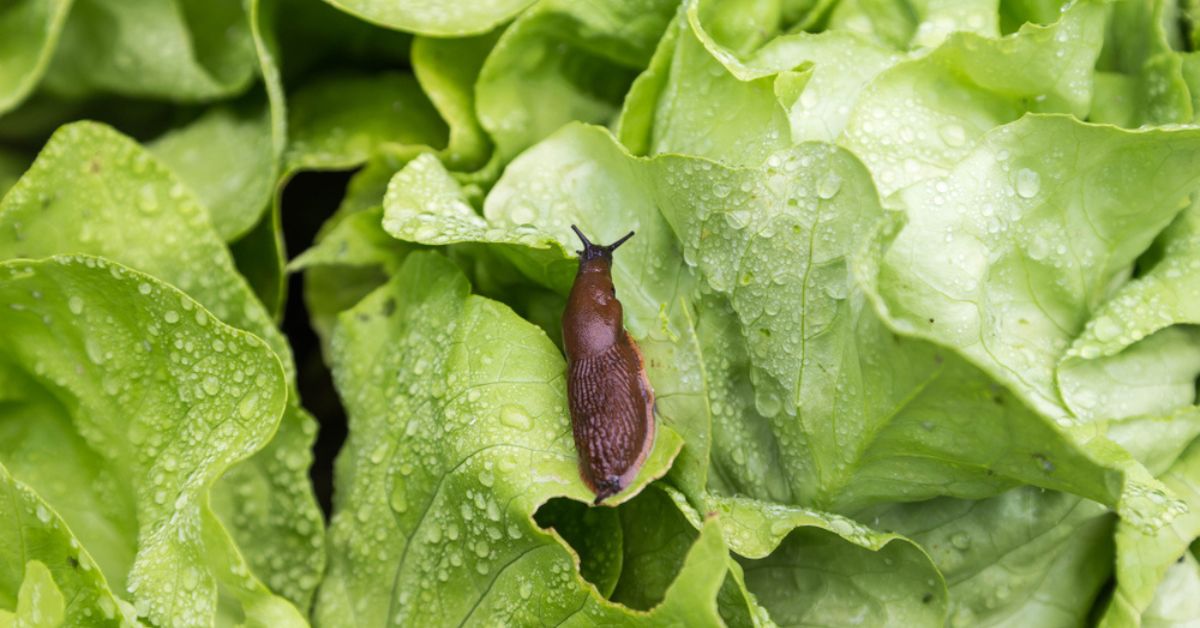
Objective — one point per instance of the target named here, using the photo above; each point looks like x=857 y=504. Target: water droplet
x=738 y=218
x=953 y=135
x=961 y=540
x=211 y=385
x=149 y=199
x=1106 y=329
x=76 y=305
x=43 y=515
x=248 y=407
x=769 y=404
x=1028 y=183
x=171 y=316
x=399 y=500
x=522 y=215
x=191 y=578
x=515 y=417
x=107 y=607
x=144 y=288
x=829 y=186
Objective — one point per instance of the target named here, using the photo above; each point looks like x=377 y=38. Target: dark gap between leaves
x=308 y=200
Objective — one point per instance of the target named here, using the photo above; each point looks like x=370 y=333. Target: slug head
x=593 y=321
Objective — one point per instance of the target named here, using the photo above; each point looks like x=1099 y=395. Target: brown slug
x=611 y=402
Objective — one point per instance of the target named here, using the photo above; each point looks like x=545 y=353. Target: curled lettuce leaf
x=142 y=459
x=179 y=49
x=920 y=118
x=435 y=18
x=531 y=83
x=1026 y=557
x=1037 y=238
x=30 y=30
x=94 y=191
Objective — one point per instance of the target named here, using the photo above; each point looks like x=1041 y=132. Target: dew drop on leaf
x=1029 y=183
x=515 y=417
x=829 y=185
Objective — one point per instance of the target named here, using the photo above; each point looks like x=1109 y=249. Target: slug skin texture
x=611 y=402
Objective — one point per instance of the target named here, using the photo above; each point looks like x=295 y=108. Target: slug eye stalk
x=594 y=251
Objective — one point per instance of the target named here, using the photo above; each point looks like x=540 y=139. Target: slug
x=611 y=402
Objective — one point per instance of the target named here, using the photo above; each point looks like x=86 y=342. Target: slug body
x=611 y=402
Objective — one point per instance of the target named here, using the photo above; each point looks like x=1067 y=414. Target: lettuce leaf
x=136 y=487
x=30 y=31
x=1025 y=557
x=442 y=514
x=180 y=49
x=430 y=17
x=142 y=216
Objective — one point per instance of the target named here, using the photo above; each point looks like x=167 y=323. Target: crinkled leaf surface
x=94 y=191
x=1137 y=354
x=434 y=522
x=658 y=117
x=1037 y=237
x=145 y=456
x=732 y=213
x=920 y=118
x=807 y=567
x=1037 y=223
x=1145 y=558
x=1028 y=557
x=796 y=87
x=847 y=424
x=563 y=61
x=904 y=24
x=1139 y=78
x=842 y=64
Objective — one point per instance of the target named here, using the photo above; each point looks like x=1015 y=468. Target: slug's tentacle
x=595 y=251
